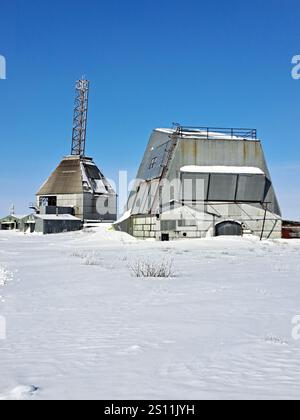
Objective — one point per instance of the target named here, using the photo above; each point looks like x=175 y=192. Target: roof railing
x=213 y=133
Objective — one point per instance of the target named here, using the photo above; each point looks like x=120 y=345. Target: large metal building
x=200 y=182
x=77 y=183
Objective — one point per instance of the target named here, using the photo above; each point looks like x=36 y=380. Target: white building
x=199 y=182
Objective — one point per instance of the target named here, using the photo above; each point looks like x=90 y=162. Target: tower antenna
x=80 y=117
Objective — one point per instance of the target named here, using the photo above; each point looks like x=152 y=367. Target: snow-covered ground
x=80 y=326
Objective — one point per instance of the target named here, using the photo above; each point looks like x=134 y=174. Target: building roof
x=13 y=217
x=54 y=217
x=291 y=223
x=211 y=133
x=76 y=175
x=246 y=170
x=65 y=178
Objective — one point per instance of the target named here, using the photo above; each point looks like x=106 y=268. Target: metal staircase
x=170 y=153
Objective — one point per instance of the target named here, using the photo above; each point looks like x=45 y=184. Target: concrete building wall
x=181 y=223
x=69 y=200
x=72 y=200
x=201 y=224
x=85 y=206
x=145 y=227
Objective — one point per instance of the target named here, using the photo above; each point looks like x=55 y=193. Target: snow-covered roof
x=14 y=216
x=125 y=217
x=165 y=130
x=247 y=170
x=54 y=217
x=94 y=184
x=202 y=134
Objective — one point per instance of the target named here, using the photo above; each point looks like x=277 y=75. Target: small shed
x=11 y=222
x=290 y=229
x=48 y=224
x=27 y=224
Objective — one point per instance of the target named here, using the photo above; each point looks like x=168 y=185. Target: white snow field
x=80 y=326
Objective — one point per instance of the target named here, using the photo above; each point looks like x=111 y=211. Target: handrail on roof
x=211 y=132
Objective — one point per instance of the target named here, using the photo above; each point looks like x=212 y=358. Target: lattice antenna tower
x=80 y=117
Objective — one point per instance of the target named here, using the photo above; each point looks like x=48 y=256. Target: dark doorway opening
x=229 y=229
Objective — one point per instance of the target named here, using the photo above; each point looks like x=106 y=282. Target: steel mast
x=80 y=117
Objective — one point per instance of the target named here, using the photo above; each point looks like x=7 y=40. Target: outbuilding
x=48 y=224
x=11 y=222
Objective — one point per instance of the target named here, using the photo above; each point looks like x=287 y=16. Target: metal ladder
x=170 y=154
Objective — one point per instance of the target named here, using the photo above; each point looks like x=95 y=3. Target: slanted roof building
x=77 y=182
x=195 y=182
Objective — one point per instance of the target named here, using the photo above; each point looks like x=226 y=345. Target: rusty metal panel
x=291 y=230
x=290 y=233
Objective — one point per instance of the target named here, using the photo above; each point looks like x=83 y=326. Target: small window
x=153 y=163
x=48 y=201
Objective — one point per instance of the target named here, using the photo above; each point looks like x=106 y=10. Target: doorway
x=229 y=229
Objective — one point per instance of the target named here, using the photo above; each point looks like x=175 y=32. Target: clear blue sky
x=218 y=63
